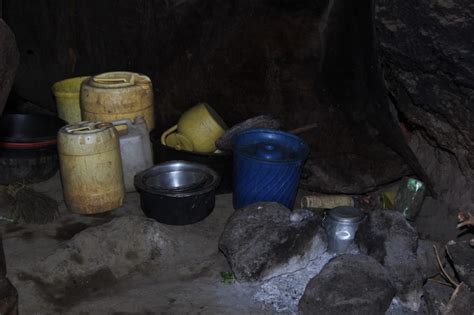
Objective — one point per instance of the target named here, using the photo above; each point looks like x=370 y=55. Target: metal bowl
x=177 y=176
x=221 y=163
x=177 y=192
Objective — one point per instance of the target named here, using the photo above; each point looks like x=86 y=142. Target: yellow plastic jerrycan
x=117 y=95
x=197 y=130
x=66 y=93
x=91 y=167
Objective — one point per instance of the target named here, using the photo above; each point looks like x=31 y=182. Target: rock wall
x=427 y=51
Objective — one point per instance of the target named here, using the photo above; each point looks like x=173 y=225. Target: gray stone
x=9 y=60
x=393 y=242
x=462 y=256
x=266 y=239
x=461 y=301
x=106 y=252
x=8 y=298
x=348 y=284
x=436 y=296
x=426 y=258
x=8 y=293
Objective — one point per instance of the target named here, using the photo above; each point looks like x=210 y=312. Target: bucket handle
x=122 y=122
x=165 y=134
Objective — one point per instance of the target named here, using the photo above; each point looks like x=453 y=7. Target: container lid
x=86 y=127
x=118 y=79
x=270 y=145
x=346 y=214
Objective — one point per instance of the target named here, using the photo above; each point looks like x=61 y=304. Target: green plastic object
x=410 y=197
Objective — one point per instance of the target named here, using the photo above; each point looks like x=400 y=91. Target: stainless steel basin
x=177 y=192
x=177 y=180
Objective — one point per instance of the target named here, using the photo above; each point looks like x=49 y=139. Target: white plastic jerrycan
x=135 y=149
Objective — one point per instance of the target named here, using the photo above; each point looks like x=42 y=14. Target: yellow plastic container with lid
x=91 y=167
x=118 y=95
x=66 y=93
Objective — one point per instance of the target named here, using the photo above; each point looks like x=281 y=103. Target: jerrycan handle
x=167 y=133
x=122 y=122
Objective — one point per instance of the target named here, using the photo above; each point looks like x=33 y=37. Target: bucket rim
x=302 y=155
x=57 y=86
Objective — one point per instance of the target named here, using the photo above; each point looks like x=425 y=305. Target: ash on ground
x=284 y=292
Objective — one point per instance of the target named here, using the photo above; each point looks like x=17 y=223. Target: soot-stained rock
x=393 y=242
x=462 y=256
x=266 y=239
x=348 y=284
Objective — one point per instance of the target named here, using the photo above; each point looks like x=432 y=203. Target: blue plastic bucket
x=267 y=166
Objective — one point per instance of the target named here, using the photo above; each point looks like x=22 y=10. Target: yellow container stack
x=91 y=167
x=117 y=95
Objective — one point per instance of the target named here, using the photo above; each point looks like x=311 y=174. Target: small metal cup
x=341 y=225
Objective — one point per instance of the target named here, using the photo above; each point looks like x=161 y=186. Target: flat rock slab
x=348 y=284
x=393 y=242
x=100 y=255
x=266 y=239
x=462 y=256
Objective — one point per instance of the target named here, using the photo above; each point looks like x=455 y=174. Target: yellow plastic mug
x=197 y=130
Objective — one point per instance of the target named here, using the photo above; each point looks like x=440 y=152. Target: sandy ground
x=191 y=285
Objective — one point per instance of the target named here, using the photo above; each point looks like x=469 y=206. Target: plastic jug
x=91 y=167
x=117 y=95
x=135 y=149
x=267 y=166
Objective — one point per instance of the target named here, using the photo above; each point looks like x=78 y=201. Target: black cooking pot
x=177 y=192
x=29 y=127
x=28 y=147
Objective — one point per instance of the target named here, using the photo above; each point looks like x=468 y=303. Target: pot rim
x=141 y=186
x=28 y=145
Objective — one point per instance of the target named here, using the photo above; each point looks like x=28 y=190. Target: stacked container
x=117 y=95
x=91 y=167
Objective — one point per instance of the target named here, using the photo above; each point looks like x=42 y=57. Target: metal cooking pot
x=177 y=192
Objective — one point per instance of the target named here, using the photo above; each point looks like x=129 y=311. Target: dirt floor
x=191 y=284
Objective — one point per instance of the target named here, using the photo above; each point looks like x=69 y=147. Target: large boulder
x=102 y=254
x=392 y=241
x=266 y=239
x=9 y=60
x=348 y=284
